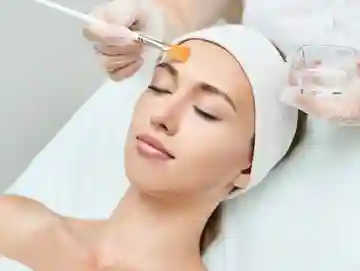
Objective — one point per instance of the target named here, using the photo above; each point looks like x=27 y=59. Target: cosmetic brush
x=179 y=53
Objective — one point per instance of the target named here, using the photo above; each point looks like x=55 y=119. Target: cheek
x=138 y=123
x=218 y=153
x=214 y=155
x=141 y=112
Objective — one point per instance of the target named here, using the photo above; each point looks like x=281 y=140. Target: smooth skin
x=203 y=112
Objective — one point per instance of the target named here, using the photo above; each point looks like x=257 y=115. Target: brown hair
x=211 y=229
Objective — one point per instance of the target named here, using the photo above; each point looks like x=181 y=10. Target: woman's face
x=192 y=128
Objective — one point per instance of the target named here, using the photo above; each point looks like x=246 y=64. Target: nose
x=167 y=117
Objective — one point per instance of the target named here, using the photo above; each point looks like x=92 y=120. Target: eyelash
x=158 y=90
x=200 y=112
x=205 y=115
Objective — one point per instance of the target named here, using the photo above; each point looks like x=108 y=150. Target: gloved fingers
x=114 y=63
x=344 y=109
x=119 y=16
x=92 y=32
x=132 y=48
x=110 y=35
x=126 y=71
x=313 y=105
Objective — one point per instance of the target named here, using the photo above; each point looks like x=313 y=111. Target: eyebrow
x=213 y=90
x=169 y=68
x=203 y=86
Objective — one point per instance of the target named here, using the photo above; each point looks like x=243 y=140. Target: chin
x=157 y=186
x=157 y=179
x=146 y=177
x=145 y=180
x=152 y=185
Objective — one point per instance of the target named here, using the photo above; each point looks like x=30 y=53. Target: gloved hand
x=342 y=107
x=121 y=56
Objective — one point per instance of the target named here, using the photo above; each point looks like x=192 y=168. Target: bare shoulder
x=21 y=218
x=28 y=210
x=25 y=223
x=37 y=237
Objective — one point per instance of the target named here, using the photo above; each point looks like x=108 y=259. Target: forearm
x=188 y=15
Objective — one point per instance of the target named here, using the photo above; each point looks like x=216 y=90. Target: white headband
x=275 y=122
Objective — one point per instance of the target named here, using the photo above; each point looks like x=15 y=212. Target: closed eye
x=201 y=113
x=158 y=90
x=205 y=115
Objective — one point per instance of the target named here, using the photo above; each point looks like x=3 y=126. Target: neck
x=154 y=234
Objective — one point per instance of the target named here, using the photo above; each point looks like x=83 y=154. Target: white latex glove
x=120 y=55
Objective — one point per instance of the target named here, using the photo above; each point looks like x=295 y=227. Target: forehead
x=210 y=58
x=211 y=64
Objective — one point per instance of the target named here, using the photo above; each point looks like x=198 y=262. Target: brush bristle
x=179 y=53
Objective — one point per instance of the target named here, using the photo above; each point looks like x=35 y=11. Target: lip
x=150 y=147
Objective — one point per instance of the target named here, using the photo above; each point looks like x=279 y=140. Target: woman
x=201 y=132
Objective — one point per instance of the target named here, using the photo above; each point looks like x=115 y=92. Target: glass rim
x=301 y=49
